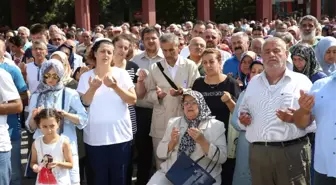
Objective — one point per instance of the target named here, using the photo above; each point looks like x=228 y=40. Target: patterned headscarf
x=307 y=53
x=320 y=50
x=187 y=142
x=45 y=90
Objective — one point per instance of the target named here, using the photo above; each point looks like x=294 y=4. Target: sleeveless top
x=52 y=152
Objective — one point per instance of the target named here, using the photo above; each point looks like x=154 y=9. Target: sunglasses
x=53 y=76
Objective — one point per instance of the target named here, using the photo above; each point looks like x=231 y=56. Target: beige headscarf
x=67 y=69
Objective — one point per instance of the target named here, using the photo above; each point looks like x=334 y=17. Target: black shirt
x=212 y=94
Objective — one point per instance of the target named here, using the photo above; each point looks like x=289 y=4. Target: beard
x=308 y=37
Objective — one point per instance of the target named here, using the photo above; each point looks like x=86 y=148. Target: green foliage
x=178 y=11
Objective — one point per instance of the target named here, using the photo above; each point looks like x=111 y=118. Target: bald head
x=274 y=41
x=197 y=40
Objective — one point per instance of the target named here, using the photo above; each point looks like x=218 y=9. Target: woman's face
x=299 y=63
x=104 y=54
x=245 y=65
x=330 y=55
x=256 y=69
x=121 y=48
x=211 y=64
x=49 y=126
x=51 y=78
x=190 y=107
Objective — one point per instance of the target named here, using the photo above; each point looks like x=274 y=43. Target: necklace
x=212 y=86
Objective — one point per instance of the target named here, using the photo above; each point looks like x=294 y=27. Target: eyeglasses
x=187 y=103
x=57 y=39
x=53 y=76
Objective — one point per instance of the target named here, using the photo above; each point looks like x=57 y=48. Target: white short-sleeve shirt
x=8 y=92
x=109 y=118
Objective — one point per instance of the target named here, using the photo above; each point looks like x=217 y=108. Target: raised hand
x=36 y=111
x=110 y=81
x=286 y=115
x=95 y=83
x=196 y=134
x=245 y=118
x=160 y=93
x=174 y=92
x=175 y=136
x=142 y=75
x=226 y=97
x=306 y=101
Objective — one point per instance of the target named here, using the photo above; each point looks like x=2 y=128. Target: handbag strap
x=217 y=151
x=62 y=121
x=167 y=78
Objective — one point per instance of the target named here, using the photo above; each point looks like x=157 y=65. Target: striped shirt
x=132 y=68
x=262 y=100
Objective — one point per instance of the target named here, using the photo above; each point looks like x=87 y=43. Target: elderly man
x=308 y=25
x=212 y=38
x=10 y=103
x=196 y=48
x=57 y=39
x=197 y=31
x=320 y=104
x=166 y=82
x=81 y=48
x=279 y=151
x=24 y=33
x=256 y=45
x=240 y=44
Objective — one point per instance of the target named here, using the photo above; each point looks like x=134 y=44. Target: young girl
x=51 y=153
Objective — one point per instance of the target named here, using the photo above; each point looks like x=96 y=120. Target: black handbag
x=185 y=171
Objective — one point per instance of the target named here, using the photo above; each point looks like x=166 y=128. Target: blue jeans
x=5 y=166
x=16 y=163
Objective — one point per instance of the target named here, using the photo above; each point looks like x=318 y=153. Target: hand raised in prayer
x=95 y=83
x=142 y=75
x=226 y=97
x=174 y=92
x=175 y=136
x=110 y=81
x=286 y=115
x=83 y=69
x=196 y=134
x=306 y=101
x=245 y=118
x=160 y=93
x=36 y=111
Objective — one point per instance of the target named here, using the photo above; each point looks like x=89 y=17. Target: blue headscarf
x=71 y=57
x=44 y=89
x=320 y=51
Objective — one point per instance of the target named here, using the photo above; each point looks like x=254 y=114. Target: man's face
x=198 y=31
x=281 y=28
x=22 y=35
x=189 y=26
x=57 y=40
x=274 y=56
x=86 y=38
x=224 y=29
x=197 y=47
x=98 y=29
x=211 y=38
x=257 y=34
x=151 y=41
x=39 y=53
x=239 y=45
x=308 y=29
x=38 y=37
x=256 y=47
x=170 y=51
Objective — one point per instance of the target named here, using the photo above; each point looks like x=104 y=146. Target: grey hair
x=25 y=29
x=310 y=18
x=242 y=35
x=257 y=40
x=277 y=40
x=169 y=37
x=286 y=36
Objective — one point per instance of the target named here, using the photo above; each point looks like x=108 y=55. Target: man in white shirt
x=279 y=151
x=165 y=97
x=10 y=103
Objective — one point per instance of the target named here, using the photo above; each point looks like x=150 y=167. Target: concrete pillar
x=203 y=10
x=19 y=13
x=149 y=12
x=264 y=9
x=82 y=12
x=315 y=7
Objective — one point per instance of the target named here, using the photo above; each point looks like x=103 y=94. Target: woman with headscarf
x=67 y=80
x=325 y=52
x=51 y=93
x=197 y=133
x=305 y=62
x=68 y=50
x=242 y=174
x=244 y=68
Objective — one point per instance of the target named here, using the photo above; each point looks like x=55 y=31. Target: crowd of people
x=251 y=102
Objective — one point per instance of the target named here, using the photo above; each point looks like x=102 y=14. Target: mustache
x=236 y=48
